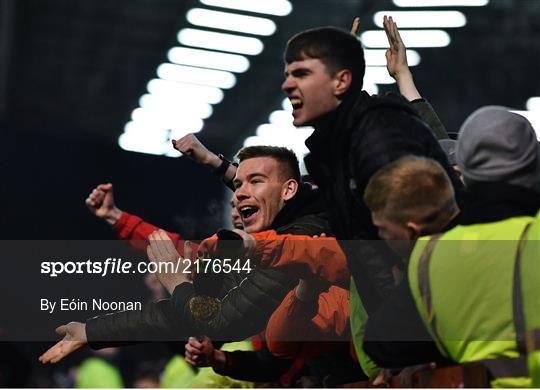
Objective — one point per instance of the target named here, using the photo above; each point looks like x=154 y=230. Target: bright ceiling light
x=378 y=75
x=228 y=21
x=188 y=74
x=208 y=59
x=270 y=7
x=441 y=3
x=286 y=105
x=156 y=143
x=376 y=57
x=370 y=87
x=159 y=103
x=284 y=133
x=281 y=118
x=411 y=38
x=533 y=104
x=145 y=121
x=173 y=90
x=534 y=118
x=220 y=41
x=423 y=19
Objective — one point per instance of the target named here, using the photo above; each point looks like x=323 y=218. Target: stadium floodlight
x=144 y=120
x=157 y=142
x=208 y=59
x=423 y=19
x=533 y=104
x=220 y=41
x=231 y=21
x=376 y=57
x=270 y=7
x=441 y=3
x=188 y=74
x=188 y=107
x=378 y=75
x=411 y=38
x=177 y=90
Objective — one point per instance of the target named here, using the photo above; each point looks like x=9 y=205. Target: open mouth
x=296 y=103
x=247 y=212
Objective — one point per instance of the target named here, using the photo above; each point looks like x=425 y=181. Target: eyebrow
x=298 y=71
x=253 y=175
x=250 y=177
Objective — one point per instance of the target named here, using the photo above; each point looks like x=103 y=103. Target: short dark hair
x=286 y=158
x=336 y=48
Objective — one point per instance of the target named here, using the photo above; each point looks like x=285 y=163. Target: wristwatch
x=220 y=171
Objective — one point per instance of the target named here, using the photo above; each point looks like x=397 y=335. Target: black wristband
x=220 y=171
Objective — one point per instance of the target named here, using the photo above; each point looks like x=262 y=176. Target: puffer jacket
x=240 y=311
x=347 y=147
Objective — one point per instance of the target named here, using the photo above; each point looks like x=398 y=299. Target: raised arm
x=192 y=148
x=398 y=68
x=396 y=61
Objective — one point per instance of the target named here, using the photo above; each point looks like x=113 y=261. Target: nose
x=288 y=85
x=241 y=193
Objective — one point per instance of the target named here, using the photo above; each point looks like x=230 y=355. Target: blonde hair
x=410 y=188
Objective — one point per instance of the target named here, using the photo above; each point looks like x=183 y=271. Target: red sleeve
x=132 y=228
x=320 y=256
x=295 y=330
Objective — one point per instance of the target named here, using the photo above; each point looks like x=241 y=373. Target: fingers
x=59 y=351
x=388 y=25
x=192 y=350
x=150 y=254
x=61 y=330
x=95 y=199
x=396 y=34
x=52 y=353
x=193 y=342
x=162 y=246
x=186 y=143
x=154 y=241
x=105 y=187
x=355 y=26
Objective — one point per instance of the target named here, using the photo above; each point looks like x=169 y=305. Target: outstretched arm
x=396 y=61
x=74 y=338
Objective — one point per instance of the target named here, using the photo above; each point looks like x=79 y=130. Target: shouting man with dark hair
x=355 y=135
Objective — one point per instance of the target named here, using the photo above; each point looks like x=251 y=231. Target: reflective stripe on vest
x=498 y=367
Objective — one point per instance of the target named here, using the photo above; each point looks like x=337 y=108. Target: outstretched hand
x=74 y=338
x=396 y=55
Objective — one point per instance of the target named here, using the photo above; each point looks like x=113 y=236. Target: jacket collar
x=306 y=201
x=485 y=202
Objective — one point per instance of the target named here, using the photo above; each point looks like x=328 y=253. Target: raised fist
x=100 y=202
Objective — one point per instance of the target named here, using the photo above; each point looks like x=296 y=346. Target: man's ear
x=342 y=82
x=415 y=230
x=290 y=187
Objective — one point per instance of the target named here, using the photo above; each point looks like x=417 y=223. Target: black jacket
x=242 y=310
x=349 y=145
